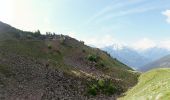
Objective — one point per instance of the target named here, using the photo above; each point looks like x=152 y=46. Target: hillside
x=47 y=67
x=152 y=85
x=160 y=63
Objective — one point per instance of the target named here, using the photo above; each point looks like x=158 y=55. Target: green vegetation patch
x=152 y=85
x=93 y=58
x=102 y=86
x=49 y=46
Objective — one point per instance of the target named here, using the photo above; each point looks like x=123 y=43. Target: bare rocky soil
x=30 y=79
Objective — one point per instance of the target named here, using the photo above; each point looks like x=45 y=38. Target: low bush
x=92 y=90
x=49 y=46
x=101 y=83
x=93 y=58
x=110 y=89
x=102 y=86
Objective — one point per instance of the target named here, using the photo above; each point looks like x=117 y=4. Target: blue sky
x=140 y=24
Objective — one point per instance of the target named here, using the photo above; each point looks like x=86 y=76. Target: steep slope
x=7 y=31
x=152 y=85
x=47 y=67
x=160 y=63
x=127 y=55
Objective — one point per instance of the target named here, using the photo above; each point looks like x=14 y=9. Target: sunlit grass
x=153 y=85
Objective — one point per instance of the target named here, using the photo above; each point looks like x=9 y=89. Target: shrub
x=110 y=89
x=37 y=33
x=49 y=46
x=82 y=42
x=101 y=83
x=102 y=86
x=62 y=39
x=93 y=58
x=93 y=90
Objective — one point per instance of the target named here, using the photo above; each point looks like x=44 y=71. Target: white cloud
x=126 y=12
x=146 y=43
x=143 y=44
x=114 y=10
x=140 y=45
x=165 y=44
x=167 y=14
x=101 y=41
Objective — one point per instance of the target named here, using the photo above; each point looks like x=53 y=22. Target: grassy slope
x=39 y=50
x=35 y=48
x=152 y=85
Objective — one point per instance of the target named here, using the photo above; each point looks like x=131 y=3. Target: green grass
x=152 y=85
x=104 y=86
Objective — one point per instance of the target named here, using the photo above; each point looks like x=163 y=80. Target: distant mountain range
x=127 y=55
x=136 y=59
x=163 y=62
x=155 y=53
